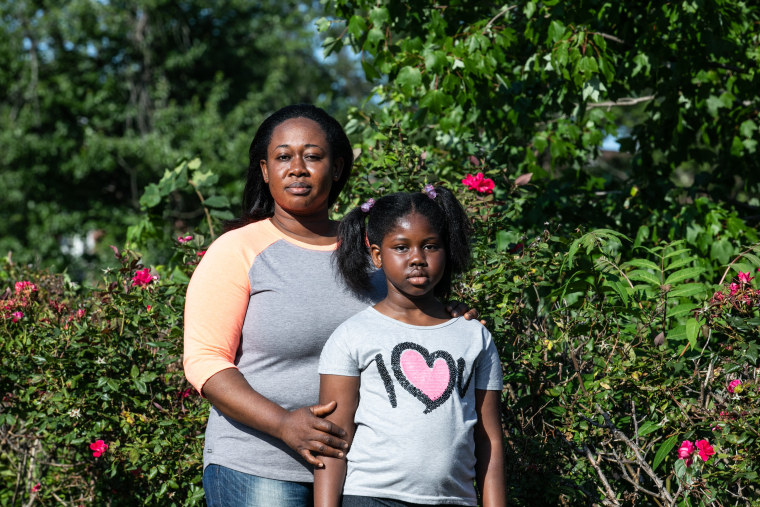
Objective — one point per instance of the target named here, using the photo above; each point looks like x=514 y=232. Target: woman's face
x=299 y=169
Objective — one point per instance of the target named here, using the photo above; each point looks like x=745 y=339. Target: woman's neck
x=423 y=311
x=312 y=229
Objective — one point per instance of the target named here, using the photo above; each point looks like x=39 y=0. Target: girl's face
x=298 y=167
x=412 y=256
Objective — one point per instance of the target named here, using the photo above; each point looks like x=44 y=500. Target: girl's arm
x=489 y=449
x=328 y=481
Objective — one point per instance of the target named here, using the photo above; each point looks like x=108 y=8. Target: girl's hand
x=457 y=308
x=306 y=431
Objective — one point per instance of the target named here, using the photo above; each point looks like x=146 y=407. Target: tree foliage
x=100 y=97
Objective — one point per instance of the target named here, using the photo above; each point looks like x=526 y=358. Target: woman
x=259 y=308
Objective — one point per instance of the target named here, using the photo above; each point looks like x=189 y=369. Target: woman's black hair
x=358 y=230
x=257 y=200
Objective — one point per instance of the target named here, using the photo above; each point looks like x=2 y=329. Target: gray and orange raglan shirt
x=263 y=303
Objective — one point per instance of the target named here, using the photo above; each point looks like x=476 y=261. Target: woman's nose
x=297 y=166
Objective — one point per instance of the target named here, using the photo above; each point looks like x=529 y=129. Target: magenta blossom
x=36 y=487
x=24 y=285
x=685 y=451
x=479 y=183
x=17 y=316
x=80 y=314
x=734 y=288
x=744 y=277
x=718 y=296
x=98 y=447
x=705 y=449
x=184 y=239
x=201 y=253
x=733 y=385
x=142 y=277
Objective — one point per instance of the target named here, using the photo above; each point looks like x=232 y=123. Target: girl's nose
x=417 y=258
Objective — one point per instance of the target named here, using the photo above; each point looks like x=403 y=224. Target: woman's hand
x=457 y=308
x=305 y=431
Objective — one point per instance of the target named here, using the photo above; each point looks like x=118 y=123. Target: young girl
x=417 y=391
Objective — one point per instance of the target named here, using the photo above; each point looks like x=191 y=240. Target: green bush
x=88 y=369
x=615 y=351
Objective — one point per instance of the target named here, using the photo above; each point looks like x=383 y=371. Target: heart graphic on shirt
x=429 y=377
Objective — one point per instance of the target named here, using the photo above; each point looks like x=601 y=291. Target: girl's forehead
x=412 y=222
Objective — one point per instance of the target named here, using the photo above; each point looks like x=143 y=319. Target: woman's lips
x=298 y=188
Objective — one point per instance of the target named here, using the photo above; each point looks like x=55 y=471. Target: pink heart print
x=433 y=382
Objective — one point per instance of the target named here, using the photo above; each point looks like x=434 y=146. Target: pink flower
x=80 y=314
x=734 y=288
x=98 y=447
x=149 y=308
x=17 y=316
x=23 y=285
x=744 y=277
x=185 y=393
x=479 y=183
x=685 y=451
x=142 y=278
x=733 y=385
x=718 y=296
x=705 y=449
x=36 y=487
x=201 y=253
x=184 y=239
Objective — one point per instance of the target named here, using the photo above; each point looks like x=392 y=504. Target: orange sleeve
x=216 y=303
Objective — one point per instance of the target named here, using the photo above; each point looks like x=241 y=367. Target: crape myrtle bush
x=630 y=364
x=95 y=408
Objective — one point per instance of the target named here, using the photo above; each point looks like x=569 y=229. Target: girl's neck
x=311 y=229
x=423 y=311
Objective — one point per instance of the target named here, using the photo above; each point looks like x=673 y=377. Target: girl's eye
x=400 y=248
x=431 y=247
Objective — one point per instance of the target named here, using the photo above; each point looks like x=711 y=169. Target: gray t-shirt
x=415 y=421
x=294 y=300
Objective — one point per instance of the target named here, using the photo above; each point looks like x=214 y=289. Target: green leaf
x=687 y=290
x=408 y=79
x=663 y=451
x=556 y=30
x=684 y=274
x=692 y=330
x=647 y=428
x=640 y=275
x=217 y=201
x=151 y=197
x=644 y=264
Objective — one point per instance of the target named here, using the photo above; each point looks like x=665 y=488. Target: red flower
x=734 y=288
x=142 y=278
x=80 y=314
x=479 y=183
x=17 y=316
x=744 y=277
x=685 y=451
x=200 y=254
x=98 y=447
x=23 y=285
x=733 y=385
x=705 y=449
x=184 y=239
x=36 y=487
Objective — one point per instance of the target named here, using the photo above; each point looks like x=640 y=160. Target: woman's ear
x=264 y=170
x=374 y=252
x=337 y=169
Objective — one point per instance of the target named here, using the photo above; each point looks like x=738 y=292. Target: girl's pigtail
x=352 y=256
x=459 y=230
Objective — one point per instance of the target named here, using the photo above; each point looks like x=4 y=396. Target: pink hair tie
x=430 y=191
x=367 y=205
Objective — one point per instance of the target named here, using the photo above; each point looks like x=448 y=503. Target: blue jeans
x=225 y=487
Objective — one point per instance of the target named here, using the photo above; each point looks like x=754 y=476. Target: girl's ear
x=264 y=170
x=374 y=252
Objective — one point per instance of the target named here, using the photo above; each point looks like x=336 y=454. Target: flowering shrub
x=95 y=409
